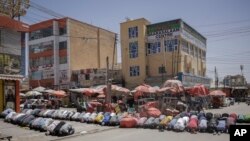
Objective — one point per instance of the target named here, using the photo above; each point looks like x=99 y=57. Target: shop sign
x=189 y=80
x=190 y=38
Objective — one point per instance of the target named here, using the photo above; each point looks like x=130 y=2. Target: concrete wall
x=89 y=46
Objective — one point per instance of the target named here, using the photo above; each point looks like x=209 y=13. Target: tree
x=14 y=8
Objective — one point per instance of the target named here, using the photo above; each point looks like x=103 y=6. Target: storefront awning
x=10 y=77
x=6 y=22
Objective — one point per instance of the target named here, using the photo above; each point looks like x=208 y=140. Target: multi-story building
x=59 y=46
x=152 y=53
x=236 y=86
x=12 y=41
x=235 y=81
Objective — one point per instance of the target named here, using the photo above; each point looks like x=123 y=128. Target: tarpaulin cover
x=153 y=112
x=128 y=122
x=198 y=90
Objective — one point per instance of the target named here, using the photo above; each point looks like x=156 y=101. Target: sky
x=225 y=23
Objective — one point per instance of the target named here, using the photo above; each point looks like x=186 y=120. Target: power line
x=225 y=23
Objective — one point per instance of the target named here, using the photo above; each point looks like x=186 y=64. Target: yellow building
x=59 y=46
x=153 y=53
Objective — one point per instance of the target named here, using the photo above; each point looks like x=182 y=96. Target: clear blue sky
x=225 y=23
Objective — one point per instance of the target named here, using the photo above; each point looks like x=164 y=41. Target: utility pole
x=162 y=71
x=241 y=69
x=108 y=89
x=115 y=43
x=216 y=78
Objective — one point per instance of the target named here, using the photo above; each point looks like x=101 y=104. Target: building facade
x=237 y=86
x=59 y=46
x=153 y=53
x=12 y=39
x=94 y=77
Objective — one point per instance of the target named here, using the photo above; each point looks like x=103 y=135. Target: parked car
x=232 y=100
x=248 y=101
x=226 y=102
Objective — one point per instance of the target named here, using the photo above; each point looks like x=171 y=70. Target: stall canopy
x=217 y=93
x=170 y=90
x=198 y=90
x=119 y=89
x=174 y=86
x=86 y=91
x=33 y=93
x=39 y=89
x=115 y=89
x=48 y=91
x=101 y=96
x=144 y=89
x=59 y=93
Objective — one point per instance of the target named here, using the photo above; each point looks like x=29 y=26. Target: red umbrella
x=198 y=90
x=217 y=93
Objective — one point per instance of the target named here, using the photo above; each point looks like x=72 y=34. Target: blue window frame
x=154 y=48
x=170 y=45
x=133 y=49
x=133 y=32
x=134 y=71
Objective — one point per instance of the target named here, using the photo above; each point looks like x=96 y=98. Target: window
x=154 y=48
x=87 y=77
x=42 y=61
x=134 y=71
x=63 y=60
x=170 y=45
x=133 y=32
x=133 y=49
x=45 y=46
x=184 y=46
x=195 y=52
x=62 y=30
x=48 y=60
x=37 y=75
x=203 y=55
x=162 y=69
x=62 y=45
x=199 y=53
x=42 y=33
x=191 y=50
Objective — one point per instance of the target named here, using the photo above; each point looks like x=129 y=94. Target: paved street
x=92 y=132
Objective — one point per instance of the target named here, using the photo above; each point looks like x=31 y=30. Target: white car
x=226 y=102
